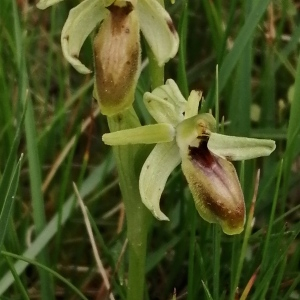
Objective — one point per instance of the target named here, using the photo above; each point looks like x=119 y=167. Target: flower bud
x=212 y=179
x=117 y=58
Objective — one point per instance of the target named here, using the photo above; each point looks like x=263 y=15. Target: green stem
x=192 y=242
x=137 y=214
x=216 y=260
x=156 y=72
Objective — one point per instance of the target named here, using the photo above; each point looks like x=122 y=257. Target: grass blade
x=45 y=268
x=181 y=72
x=240 y=43
x=50 y=230
x=9 y=200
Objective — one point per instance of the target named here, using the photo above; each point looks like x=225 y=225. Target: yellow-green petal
x=158 y=166
x=149 y=134
x=81 y=21
x=239 y=148
x=192 y=105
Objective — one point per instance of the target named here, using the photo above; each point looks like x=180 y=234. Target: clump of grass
x=42 y=108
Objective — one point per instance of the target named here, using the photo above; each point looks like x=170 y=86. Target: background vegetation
x=255 y=43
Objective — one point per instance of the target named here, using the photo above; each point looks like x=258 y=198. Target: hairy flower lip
x=214 y=182
x=210 y=165
x=117 y=59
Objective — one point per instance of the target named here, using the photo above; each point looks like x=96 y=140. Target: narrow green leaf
x=241 y=41
x=264 y=279
x=18 y=281
x=9 y=200
x=292 y=45
x=34 y=164
x=265 y=260
x=279 y=277
x=191 y=274
x=241 y=93
x=45 y=268
x=231 y=59
x=215 y=25
x=181 y=71
x=207 y=293
x=292 y=288
x=294 y=125
x=95 y=178
x=268 y=102
x=293 y=141
x=216 y=260
x=157 y=256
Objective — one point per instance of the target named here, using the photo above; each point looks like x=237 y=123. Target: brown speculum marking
x=202 y=155
x=118 y=15
x=220 y=190
x=171 y=26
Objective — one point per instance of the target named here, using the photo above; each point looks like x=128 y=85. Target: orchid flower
x=183 y=135
x=117 y=44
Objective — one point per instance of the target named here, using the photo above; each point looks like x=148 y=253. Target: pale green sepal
x=149 y=134
x=239 y=148
x=43 y=4
x=158 y=29
x=158 y=166
x=81 y=21
x=192 y=105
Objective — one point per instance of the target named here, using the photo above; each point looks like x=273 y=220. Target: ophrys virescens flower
x=183 y=135
x=117 y=44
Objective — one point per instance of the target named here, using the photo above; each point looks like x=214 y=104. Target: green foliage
x=45 y=249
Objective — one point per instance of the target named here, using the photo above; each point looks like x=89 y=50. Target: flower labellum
x=212 y=179
x=117 y=59
x=216 y=189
